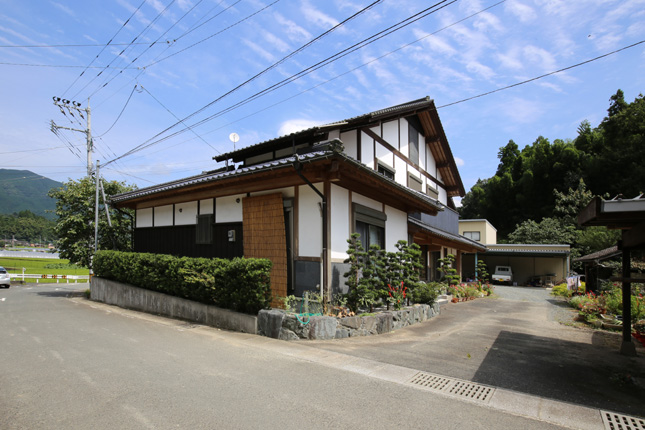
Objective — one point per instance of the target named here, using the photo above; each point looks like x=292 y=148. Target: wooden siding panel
x=264 y=237
x=180 y=241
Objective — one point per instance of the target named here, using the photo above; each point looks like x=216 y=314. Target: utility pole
x=69 y=106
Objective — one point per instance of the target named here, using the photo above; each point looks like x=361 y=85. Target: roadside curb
x=556 y=412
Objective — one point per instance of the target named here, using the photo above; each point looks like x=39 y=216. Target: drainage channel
x=455 y=387
x=616 y=421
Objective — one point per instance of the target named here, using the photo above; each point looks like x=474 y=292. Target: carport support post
x=476 y=275
x=627 y=347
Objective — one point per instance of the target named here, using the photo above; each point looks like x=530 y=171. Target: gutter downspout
x=325 y=284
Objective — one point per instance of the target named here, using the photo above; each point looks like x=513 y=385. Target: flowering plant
x=397 y=295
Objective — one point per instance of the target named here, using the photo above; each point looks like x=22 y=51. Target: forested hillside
x=28 y=227
x=537 y=191
x=24 y=190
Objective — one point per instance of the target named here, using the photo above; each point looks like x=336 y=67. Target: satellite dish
x=234 y=137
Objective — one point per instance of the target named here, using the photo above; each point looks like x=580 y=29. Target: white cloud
x=293 y=30
x=316 y=17
x=274 y=41
x=295 y=125
x=512 y=59
x=184 y=4
x=487 y=21
x=90 y=38
x=480 y=69
x=65 y=9
x=520 y=10
x=522 y=111
x=539 y=57
x=259 y=50
x=459 y=162
x=436 y=43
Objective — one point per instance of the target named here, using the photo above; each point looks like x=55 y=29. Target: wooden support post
x=627 y=347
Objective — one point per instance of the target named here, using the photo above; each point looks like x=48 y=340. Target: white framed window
x=473 y=235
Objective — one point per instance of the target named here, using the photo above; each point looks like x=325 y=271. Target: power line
x=543 y=76
x=176 y=117
x=157 y=60
x=121 y=113
x=214 y=34
x=150 y=46
x=63 y=66
x=104 y=47
x=119 y=56
x=72 y=45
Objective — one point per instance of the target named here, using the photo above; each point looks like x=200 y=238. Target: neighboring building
x=389 y=175
x=479 y=230
x=534 y=264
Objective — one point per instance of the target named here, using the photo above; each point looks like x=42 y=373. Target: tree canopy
x=75 y=208
x=26 y=226
x=527 y=183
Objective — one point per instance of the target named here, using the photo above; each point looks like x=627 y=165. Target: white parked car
x=5 y=280
x=503 y=275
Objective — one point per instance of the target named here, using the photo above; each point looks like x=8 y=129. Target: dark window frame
x=371 y=223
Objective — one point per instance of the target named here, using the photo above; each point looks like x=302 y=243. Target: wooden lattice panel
x=264 y=237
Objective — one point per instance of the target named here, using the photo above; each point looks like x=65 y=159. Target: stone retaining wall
x=280 y=324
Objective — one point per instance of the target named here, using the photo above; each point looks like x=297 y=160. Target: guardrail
x=58 y=278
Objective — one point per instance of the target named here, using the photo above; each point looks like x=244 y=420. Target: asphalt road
x=67 y=363
x=523 y=340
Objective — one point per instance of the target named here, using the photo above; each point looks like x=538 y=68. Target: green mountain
x=24 y=190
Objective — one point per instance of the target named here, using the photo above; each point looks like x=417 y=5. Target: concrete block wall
x=131 y=297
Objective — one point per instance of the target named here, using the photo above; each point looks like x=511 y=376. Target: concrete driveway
x=523 y=340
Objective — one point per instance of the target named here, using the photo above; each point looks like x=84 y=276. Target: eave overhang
x=424 y=108
x=425 y=234
x=317 y=167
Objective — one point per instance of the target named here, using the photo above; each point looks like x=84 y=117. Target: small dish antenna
x=234 y=137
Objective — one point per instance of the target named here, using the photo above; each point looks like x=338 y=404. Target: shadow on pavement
x=593 y=375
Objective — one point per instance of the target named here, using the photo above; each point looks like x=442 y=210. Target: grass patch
x=42 y=266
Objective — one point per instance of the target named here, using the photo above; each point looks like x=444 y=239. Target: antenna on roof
x=234 y=138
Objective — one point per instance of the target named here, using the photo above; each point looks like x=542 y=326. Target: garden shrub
x=561 y=290
x=239 y=284
x=426 y=293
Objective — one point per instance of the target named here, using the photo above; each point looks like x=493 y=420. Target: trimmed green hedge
x=241 y=284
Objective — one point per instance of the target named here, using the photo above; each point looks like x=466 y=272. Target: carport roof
x=459 y=242
x=528 y=250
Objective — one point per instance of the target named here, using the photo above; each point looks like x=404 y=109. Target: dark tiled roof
x=603 y=254
x=215 y=176
x=446 y=235
x=390 y=111
x=271 y=165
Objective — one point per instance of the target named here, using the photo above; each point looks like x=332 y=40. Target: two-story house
x=389 y=175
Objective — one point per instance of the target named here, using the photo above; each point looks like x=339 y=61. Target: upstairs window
x=472 y=235
x=385 y=171
x=370 y=224
x=414 y=128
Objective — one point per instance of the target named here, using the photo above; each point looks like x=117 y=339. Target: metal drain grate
x=431 y=381
x=454 y=387
x=472 y=391
x=615 y=421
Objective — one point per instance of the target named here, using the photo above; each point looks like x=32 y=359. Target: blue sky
x=204 y=49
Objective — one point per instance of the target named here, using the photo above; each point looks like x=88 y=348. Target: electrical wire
x=365 y=42
x=104 y=47
x=149 y=47
x=213 y=35
x=176 y=117
x=119 y=56
x=121 y=113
